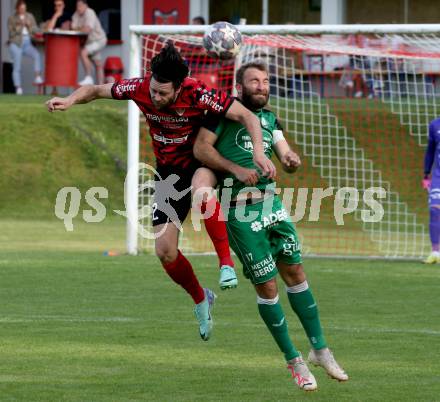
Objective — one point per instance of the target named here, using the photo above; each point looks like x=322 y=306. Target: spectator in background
x=198 y=20
x=85 y=20
x=60 y=18
x=21 y=26
x=359 y=79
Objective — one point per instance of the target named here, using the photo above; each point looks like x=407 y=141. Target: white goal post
x=387 y=84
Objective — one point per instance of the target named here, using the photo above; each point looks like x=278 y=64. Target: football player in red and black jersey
x=174 y=106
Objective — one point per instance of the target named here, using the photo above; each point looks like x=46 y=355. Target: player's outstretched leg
x=325 y=359
x=181 y=272
x=202 y=312
x=205 y=201
x=216 y=228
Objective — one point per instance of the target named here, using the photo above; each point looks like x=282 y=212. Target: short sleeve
x=126 y=89
x=210 y=99
x=213 y=122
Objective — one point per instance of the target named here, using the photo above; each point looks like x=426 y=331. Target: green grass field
x=41 y=152
x=78 y=326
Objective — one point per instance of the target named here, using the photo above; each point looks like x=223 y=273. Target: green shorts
x=261 y=235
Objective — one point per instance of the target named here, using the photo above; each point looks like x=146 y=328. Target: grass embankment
x=42 y=152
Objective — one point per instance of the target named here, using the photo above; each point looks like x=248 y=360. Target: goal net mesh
x=356 y=108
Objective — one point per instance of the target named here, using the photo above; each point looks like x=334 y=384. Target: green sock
x=273 y=317
x=303 y=304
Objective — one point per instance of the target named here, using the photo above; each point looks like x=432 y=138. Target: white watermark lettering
x=151 y=219
x=376 y=212
x=346 y=202
x=98 y=206
x=73 y=206
x=318 y=195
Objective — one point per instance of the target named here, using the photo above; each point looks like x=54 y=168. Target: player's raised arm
x=240 y=113
x=206 y=153
x=84 y=94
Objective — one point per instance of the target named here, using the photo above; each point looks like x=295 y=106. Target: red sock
x=181 y=272
x=216 y=228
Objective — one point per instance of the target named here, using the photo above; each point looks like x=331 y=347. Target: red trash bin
x=62 y=55
x=113 y=69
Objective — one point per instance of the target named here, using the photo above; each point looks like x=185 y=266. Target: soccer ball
x=222 y=40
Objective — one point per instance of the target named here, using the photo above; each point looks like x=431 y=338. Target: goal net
x=355 y=102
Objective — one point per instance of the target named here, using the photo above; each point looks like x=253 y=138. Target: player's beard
x=161 y=106
x=254 y=99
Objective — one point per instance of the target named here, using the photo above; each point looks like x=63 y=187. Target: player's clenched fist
x=290 y=161
x=58 y=104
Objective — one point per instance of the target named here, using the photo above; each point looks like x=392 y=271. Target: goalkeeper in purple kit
x=431 y=182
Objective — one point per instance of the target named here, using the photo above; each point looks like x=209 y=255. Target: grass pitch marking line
x=387 y=330
x=18 y=320
x=48 y=318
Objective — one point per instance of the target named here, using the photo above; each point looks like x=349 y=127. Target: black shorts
x=172 y=195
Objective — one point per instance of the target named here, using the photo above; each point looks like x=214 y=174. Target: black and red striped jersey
x=174 y=129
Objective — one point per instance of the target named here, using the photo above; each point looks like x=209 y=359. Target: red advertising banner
x=169 y=12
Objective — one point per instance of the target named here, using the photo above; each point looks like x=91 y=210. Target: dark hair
x=198 y=20
x=19 y=3
x=82 y=1
x=258 y=64
x=169 y=66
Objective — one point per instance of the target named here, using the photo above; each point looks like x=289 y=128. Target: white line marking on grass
x=422 y=331
x=49 y=318
x=16 y=320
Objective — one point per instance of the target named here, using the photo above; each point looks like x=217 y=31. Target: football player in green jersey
x=260 y=230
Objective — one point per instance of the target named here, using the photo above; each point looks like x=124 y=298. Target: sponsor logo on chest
x=167 y=140
x=166 y=119
x=244 y=140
